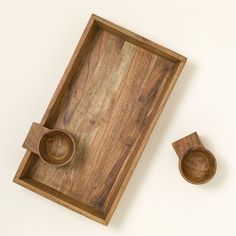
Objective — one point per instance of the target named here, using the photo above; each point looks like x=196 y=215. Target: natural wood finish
x=196 y=164
x=109 y=99
x=34 y=135
x=186 y=143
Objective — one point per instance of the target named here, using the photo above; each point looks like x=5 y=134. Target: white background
x=37 y=39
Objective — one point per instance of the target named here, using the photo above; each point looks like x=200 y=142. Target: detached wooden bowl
x=196 y=164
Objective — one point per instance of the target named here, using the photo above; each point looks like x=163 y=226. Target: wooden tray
x=109 y=99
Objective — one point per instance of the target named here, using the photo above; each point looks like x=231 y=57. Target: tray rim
x=96 y=21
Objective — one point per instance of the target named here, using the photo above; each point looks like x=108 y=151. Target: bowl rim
x=65 y=133
x=201 y=149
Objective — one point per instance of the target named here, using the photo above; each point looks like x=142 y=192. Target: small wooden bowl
x=196 y=164
x=56 y=147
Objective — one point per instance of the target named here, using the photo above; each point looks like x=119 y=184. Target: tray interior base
x=106 y=107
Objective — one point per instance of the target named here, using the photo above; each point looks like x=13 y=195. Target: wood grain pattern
x=109 y=99
x=32 y=139
x=186 y=143
x=196 y=164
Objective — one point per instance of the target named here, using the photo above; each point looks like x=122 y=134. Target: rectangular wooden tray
x=109 y=99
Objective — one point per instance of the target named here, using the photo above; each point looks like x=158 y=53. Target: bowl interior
x=198 y=166
x=56 y=147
